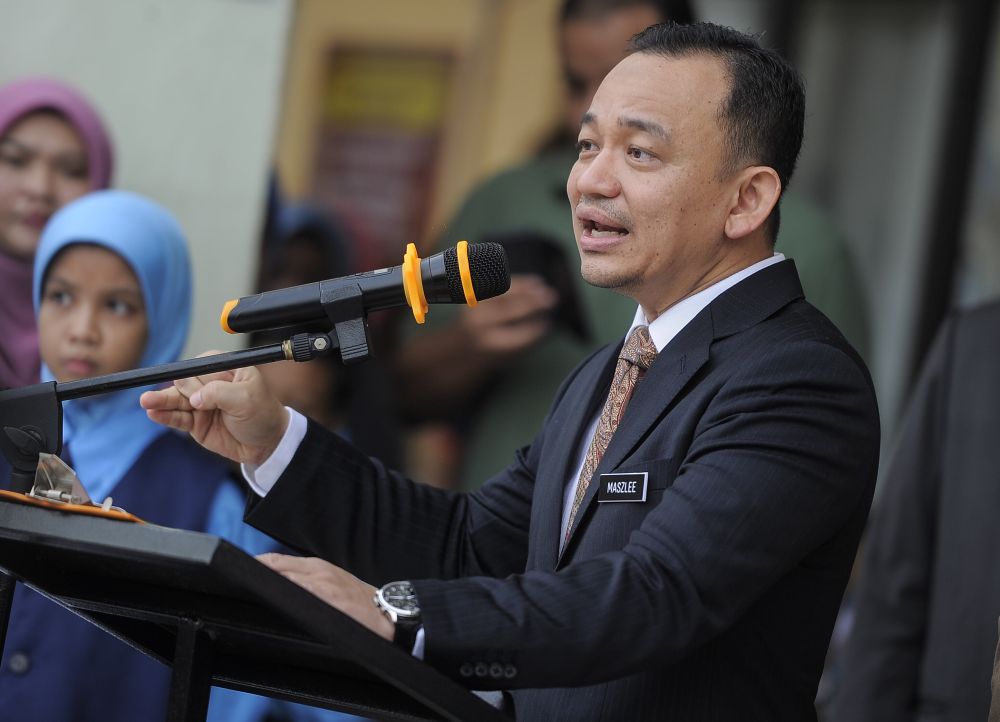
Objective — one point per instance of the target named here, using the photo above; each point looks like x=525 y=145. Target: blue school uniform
x=56 y=666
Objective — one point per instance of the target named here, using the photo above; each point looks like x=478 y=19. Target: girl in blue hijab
x=112 y=291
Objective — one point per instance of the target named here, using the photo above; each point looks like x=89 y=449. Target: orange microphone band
x=224 y=318
x=413 y=284
x=466 y=273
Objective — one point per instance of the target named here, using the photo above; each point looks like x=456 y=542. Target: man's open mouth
x=599 y=230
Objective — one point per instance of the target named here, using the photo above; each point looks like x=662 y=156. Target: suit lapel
x=671 y=371
x=669 y=374
x=583 y=401
x=744 y=305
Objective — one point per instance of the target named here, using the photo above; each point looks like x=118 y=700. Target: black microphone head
x=487 y=267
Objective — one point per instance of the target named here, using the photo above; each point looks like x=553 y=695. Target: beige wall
x=504 y=97
x=190 y=91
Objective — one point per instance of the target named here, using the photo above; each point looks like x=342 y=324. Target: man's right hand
x=231 y=413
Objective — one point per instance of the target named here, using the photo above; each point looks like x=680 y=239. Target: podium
x=219 y=617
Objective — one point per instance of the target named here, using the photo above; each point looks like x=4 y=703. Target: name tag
x=623 y=487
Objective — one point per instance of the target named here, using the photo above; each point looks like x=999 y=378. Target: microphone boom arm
x=31 y=416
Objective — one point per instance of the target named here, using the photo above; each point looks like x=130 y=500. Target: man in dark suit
x=928 y=598
x=675 y=542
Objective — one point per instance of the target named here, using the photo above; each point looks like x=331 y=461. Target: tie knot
x=639 y=348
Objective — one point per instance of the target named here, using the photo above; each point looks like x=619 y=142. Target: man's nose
x=597 y=176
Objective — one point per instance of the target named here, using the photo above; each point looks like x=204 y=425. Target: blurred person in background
x=112 y=290
x=926 y=602
x=305 y=245
x=53 y=149
x=492 y=370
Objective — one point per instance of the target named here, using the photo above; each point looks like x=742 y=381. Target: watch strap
x=405 y=635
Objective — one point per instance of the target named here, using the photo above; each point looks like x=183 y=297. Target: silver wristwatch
x=398 y=602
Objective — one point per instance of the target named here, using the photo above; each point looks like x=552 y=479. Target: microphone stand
x=31 y=416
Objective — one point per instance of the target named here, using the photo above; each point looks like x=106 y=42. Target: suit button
x=465 y=670
x=496 y=670
x=19 y=663
x=509 y=671
x=481 y=669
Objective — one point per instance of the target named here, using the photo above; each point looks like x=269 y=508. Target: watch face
x=400 y=596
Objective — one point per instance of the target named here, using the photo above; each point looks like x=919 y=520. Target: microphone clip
x=307 y=346
x=344 y=306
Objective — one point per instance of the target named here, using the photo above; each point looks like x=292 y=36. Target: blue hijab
x=106 y=434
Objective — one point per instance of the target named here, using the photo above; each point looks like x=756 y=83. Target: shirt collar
x=669 y=323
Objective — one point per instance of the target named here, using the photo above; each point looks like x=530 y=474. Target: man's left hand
x=336 y=587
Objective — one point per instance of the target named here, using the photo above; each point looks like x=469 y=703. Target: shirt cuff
x=262 y=478
x=418 y=644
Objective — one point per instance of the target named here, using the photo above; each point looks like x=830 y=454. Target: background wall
x=876 y=78
x=190 y=90
x=504 y=96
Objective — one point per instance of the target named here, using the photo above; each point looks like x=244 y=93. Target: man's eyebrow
x=646 y=126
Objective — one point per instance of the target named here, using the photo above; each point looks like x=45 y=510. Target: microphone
x=463 y=274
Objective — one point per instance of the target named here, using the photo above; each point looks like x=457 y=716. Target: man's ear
x=756 y=195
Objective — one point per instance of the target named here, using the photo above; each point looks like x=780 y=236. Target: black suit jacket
x=713 y=600
x=928 y=598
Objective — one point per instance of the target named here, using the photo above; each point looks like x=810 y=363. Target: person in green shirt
x=492 y=370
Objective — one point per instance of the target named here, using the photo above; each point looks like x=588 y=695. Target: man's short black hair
x=764 y=115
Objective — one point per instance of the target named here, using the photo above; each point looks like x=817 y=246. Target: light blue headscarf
x=107 y=433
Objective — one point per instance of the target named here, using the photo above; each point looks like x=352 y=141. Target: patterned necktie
x=636 y=356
